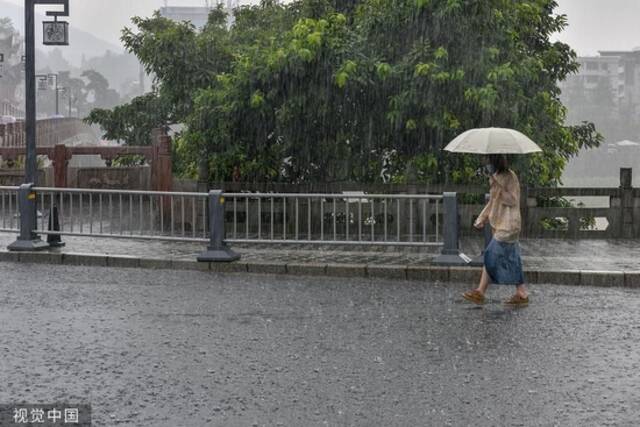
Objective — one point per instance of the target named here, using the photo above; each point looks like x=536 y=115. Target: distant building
x=628 y=78
x=198 y=16
x=605 y=91
x=619 y=69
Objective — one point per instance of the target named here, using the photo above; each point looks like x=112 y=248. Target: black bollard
x=217 y=251
x=54 y=240
x=451 y=254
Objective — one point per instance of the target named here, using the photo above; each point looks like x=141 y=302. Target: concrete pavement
x=178 y=348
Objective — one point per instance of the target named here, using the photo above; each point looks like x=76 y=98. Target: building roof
x=599 y=58
x=627 y=143
x=619 y=53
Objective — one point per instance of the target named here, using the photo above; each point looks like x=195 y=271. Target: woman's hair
x=499 y=162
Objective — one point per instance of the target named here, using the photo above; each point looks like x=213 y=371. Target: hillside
x=81 y=42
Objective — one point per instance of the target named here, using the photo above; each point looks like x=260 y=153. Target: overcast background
x=106 y=18
x=601 y=25
x=593 y=24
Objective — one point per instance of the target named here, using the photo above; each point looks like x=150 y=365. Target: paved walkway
x=579 y=262
x=544 y=254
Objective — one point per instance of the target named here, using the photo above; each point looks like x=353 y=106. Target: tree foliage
x=11 y=68
x=132 y=122
x=89 y=91
x=321 y=90
x=98 y=90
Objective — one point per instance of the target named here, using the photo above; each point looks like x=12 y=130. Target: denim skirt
x=503 y=263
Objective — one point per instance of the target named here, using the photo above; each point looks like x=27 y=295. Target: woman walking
x=502 y=261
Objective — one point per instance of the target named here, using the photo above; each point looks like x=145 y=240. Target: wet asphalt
x=164 y=348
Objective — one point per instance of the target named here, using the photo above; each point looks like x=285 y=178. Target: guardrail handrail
x=116 y=191
x=284 y=218
x=335 y=195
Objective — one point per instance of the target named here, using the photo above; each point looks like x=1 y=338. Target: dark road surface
x=167 y=348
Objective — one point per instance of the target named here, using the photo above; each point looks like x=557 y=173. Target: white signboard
x=55 y=33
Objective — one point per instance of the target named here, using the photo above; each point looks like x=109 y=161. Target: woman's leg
x=521 y=290
x=484 y=282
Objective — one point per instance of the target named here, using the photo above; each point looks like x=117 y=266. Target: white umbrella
x=492 y=141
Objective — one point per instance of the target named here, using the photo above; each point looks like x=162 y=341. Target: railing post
x=451 y=254
x=486 y=232
x=626 y=194
x=61 y=156
x=28 y=240
x=11 y=134
x=218 y=251
x=203 y=173
x=21 y=134
x=161 y=167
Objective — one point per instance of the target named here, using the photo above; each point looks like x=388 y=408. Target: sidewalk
x=578 y=262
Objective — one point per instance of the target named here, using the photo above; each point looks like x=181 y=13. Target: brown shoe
x=474 y=296
x=517 y=301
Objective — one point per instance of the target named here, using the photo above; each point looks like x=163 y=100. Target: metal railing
x=8 y=109
x=170 y=216
x=345 y=219
x=10 y=218
x=405 y=220
x=284 y=218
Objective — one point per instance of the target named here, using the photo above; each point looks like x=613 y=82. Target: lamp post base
x=28 y=245
x=218 y=255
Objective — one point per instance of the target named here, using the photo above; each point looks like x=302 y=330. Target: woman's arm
x=484 y=215
x=483 y=218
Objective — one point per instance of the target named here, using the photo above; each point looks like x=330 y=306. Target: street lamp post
x=52 y=76
x=55 y=33
x=66 y=91
x=57 y=94
x=30 y=72
x=57 y=99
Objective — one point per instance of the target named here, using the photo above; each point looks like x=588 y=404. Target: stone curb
x=627 y=279
x=346 y=270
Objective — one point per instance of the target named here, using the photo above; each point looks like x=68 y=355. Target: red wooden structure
x=158 y=155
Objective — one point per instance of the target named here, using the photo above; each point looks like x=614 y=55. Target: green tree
x=183 y=61
x=97 y=89
x=131 y=123
x=181 y=58
x=9 y=46
x=320 y=90
x=76 y=89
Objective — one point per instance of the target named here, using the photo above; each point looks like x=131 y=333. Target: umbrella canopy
x=492 y=141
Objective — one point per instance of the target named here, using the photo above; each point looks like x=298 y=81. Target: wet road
x=183 y=348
